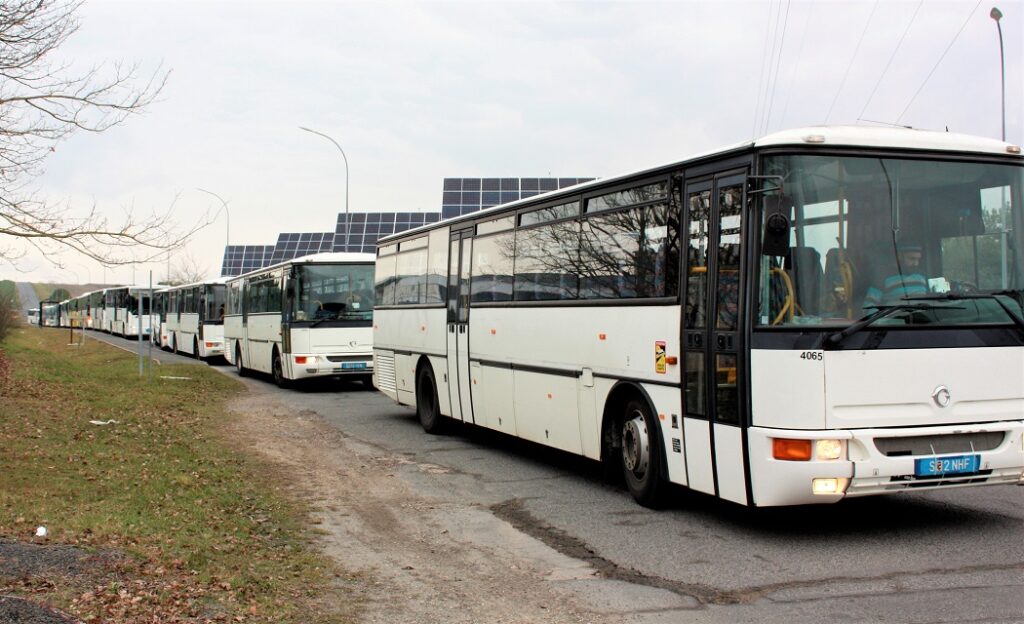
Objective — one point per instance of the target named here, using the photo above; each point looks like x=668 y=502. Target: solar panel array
x=240 y=259
x=361 y=232
x=294 y=244
x=465 y=195
x=358 y=232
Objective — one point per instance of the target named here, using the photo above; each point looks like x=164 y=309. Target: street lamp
x=348 y=225
x=227 y=214
x=996 y=14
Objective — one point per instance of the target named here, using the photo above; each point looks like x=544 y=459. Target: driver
x=905 y=279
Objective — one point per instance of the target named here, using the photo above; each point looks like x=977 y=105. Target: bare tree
x=187 y=270
x=43 y=101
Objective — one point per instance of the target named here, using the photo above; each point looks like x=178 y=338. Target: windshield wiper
x=834 y=340
x=994 y=296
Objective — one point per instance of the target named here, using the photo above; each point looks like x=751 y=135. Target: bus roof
x=814 y=137
x=317 y=258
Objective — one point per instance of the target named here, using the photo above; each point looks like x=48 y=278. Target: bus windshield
x=327 y=292
x=849 y=236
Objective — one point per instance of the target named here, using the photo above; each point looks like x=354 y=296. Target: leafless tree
x=187 y=270
x=44 y=100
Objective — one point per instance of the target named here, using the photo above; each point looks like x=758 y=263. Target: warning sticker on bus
x=659 y=357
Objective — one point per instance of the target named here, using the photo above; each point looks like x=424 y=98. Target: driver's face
x=911 y=258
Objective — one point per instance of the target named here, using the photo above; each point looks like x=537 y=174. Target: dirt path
x=411 y=558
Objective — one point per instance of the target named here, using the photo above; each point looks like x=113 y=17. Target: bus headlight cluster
x=803 y=450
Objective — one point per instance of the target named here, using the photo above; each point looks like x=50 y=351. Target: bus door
x=712 y=315
x=459 y=255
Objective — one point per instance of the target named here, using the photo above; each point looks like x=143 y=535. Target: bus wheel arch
x=631 y=443
x=428 y=407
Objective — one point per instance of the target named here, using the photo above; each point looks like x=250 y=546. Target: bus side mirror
x=776 y=235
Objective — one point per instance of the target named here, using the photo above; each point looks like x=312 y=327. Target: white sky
x=415 y=92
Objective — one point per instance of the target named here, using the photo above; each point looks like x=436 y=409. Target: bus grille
x=940 y=444
x=384 y=365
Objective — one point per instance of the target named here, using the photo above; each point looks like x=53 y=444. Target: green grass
x=161 y=483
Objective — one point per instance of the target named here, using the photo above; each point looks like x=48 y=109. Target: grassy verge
x=209 y=538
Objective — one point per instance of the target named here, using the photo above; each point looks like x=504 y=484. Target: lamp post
x=996 y=14
x=348 y=225
x=227 y=215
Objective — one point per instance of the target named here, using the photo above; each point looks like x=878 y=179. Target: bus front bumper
x=879 y=461
x=306 y=366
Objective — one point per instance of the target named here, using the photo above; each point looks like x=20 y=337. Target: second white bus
x=305 y=318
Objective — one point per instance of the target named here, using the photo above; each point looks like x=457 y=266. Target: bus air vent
x=940 y=444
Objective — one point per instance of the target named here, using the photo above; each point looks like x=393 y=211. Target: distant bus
x=194 y=319
x=121 y=310
x=308 y=317
x=818 y=314
x=32 y=316
x=158 y=317
x=50 y=313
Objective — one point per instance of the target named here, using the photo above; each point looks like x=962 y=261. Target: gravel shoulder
x=407 y=557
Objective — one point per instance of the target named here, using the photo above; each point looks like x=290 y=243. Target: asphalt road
x=27 y=296
x=945 y=556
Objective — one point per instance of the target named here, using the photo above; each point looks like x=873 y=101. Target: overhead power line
x=891 y=57
x=937 y=63
x=846 y=74
x=774 y=81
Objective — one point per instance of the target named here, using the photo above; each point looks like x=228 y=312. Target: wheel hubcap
x=636 y=450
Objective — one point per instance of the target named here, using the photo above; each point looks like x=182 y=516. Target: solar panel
x=240 y=259
x=360 y=231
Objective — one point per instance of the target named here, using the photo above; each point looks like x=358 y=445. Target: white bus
x=121 y=310
x=158 y=317
x=195 y=318
x=308 y=317
x=50 y=313
x=32 y=316
x=818 y=314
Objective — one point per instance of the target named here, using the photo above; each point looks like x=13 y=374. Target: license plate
x=938 y=466
x=345 y=365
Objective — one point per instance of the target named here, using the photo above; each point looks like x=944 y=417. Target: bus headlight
x=829 y=486
x=828 y=449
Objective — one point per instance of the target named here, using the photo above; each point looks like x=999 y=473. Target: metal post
x=997 y=15
x=140 y=329
x=150 y=349
x=348 y=224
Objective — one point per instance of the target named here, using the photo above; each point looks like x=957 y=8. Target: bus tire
x=277 y=371
x=238 y=362
x=427 y=407
x=641 y=453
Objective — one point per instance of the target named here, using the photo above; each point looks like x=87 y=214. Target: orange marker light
x=549 y=395
x=300 y=359
x=661 y=416
x=791 y=450
x=602 y=336
x=671 y=360
x=494 y=331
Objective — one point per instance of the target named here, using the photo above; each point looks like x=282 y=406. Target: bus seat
x=804 y=267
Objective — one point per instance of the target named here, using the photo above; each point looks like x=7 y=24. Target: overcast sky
x=415 y=92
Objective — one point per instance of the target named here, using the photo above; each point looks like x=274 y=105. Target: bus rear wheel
x=641 y=454
x=427 y=407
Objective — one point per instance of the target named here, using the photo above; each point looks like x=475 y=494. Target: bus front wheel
x=278 y=372
x=641 y=454
x=238 y=362
x=426 y=402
